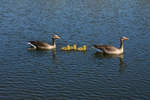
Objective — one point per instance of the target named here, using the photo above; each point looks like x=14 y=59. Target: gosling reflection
x=122 y=64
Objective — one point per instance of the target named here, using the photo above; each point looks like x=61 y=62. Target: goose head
x=55 y=37
x=124 y=38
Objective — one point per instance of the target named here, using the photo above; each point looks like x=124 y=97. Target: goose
x=108 y=49
x=44 y=45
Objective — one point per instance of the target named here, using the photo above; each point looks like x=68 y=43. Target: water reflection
x=38 y=51
x=30 y=48
x=54 y=57
x=122 y=64
x=48 y=56
x=53 y=51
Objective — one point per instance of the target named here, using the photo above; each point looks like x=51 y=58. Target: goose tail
x=95 y=46
x=32 y=45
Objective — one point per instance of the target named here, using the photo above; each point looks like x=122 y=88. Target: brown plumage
x=105 y=47
x=44 y=45
x=108 y=49
x=38 y=43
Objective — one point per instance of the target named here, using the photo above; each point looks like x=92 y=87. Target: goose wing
x=39 y=44
x=105 y=47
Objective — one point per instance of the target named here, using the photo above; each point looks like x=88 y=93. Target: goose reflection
x=122 y=64
x=55 y=59
x=51 y=53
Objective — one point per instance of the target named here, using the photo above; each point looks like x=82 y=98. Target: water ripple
x=43 y=75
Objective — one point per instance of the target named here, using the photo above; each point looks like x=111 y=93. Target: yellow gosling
x=80 y=49
x=63 y=48
x=68 y=47
x=71 y=47
x=84 y=47
x=74 y=47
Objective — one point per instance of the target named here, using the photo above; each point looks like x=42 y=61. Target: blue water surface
x=59 y=75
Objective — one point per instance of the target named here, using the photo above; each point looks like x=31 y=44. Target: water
x=50 y=75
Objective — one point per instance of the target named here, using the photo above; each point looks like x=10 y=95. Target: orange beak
x=56 y=37
x=125 y=38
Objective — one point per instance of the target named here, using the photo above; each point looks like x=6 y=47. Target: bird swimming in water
x=43 y=45
x=108 y=49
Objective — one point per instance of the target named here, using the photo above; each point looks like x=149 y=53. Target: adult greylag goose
x=108 y=49
x=44 y=45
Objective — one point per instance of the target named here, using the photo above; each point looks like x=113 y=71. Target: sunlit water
x=50 y=75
